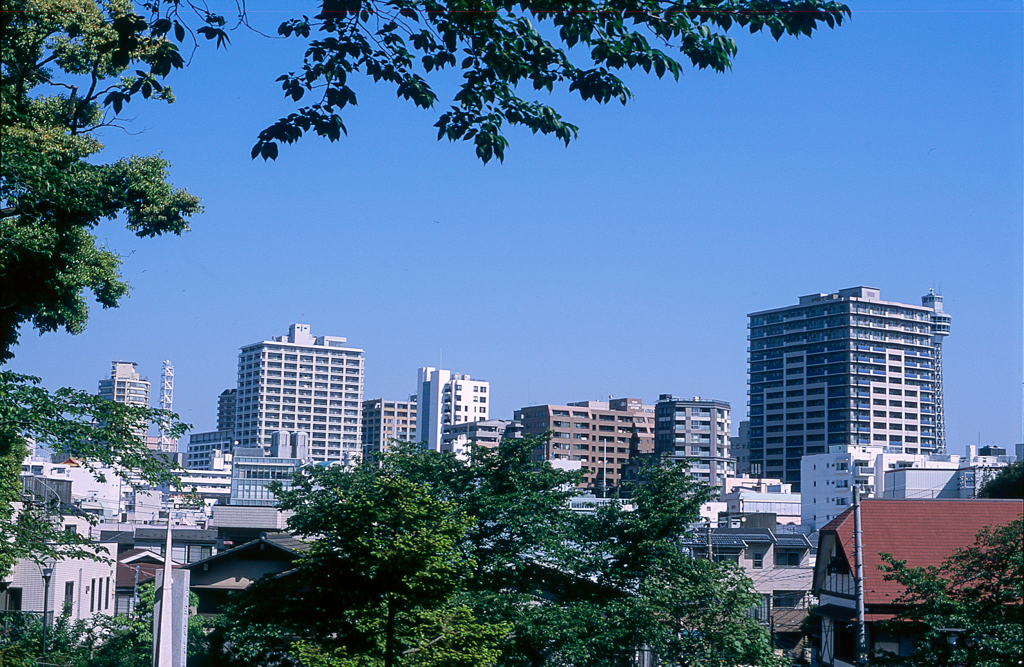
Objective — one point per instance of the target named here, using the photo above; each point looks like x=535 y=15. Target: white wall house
x=86 y=586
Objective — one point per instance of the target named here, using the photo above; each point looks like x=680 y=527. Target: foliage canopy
x=1008 y=483
x=532 y=581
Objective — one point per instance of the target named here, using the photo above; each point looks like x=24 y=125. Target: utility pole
x=858 y=579
x=711 y=555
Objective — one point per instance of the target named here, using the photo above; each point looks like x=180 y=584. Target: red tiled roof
x=921 y=532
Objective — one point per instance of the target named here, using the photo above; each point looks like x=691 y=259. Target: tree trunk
x=389 y=635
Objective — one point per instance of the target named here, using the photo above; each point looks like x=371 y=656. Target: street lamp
x=952 y=636
x=47 y=572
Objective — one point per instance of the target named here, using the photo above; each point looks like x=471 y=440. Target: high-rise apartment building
x=385 y=421
x=127 y=386
x=301 y=383
x=226 y=407
x=696 y=431
x=444 y=398
x=603 y=436
x=843 y=369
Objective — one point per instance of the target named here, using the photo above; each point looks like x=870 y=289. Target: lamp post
x=47 y=575
x=952 y=636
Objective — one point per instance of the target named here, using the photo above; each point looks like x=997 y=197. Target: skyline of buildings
x=820 y=374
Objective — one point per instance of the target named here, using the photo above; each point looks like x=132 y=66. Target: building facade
x=602 y=435
x=444 y=398
x=697 y=431
x=82 y=586
x=487 y=432
x=301 y=382
x=226 y=408
x=251 y=473
x=843 y=369
x=125 y=385
x=385 y=421
x=204 y=448
x=828 y=479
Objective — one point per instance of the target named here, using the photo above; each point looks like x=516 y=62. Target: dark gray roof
x=281 y=541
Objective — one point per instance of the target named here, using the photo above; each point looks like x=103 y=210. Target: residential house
x=214 y=578
x=780 y=564
x=921 y=532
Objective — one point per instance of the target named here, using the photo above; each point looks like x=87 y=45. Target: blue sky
x=886 y=153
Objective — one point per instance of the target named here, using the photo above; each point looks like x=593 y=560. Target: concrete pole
x=858 y=557
x=162 y=643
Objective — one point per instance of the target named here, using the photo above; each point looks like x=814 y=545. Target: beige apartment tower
x=301 y=383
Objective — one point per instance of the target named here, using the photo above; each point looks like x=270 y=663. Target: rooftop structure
x=921 y=532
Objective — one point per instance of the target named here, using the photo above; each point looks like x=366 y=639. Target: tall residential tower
x=301 y=383
x=843 y=369
x=127 y=386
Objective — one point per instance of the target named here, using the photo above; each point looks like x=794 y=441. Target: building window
x=787 y=558
x=758 y=561
x=14 y=599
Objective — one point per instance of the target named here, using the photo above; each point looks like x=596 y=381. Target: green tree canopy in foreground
x=978 y=591
x=98 y=433
x=419 y=554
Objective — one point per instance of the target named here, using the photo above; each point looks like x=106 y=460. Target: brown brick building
x=603 y=436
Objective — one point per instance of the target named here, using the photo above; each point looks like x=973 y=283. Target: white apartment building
x=125 y=385
x=844 y=369
x=301 y=383
x=828 y=479
x=457 y=438
x=444 y=398
x=204 y=448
